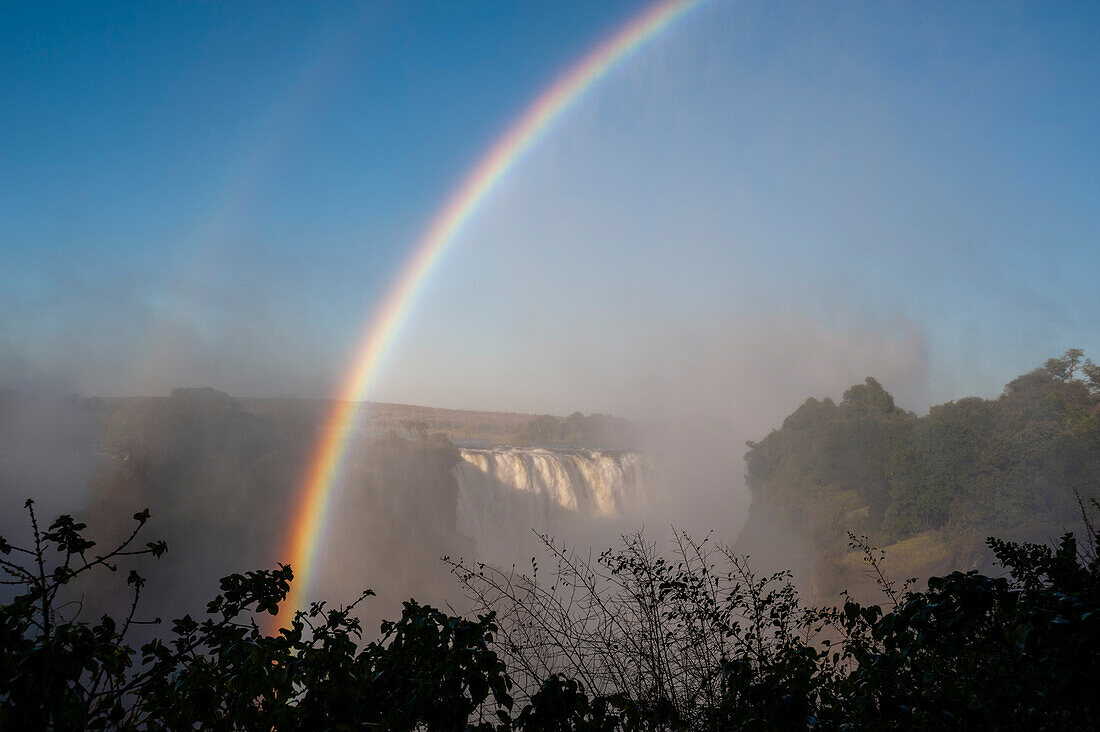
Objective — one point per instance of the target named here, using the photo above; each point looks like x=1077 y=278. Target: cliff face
x=926 y=489
x=221 y=477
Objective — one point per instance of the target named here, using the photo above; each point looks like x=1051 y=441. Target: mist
x=765 y=206
x=738 y=385
x=689 y=420
x=709 y=363
x=46 y=454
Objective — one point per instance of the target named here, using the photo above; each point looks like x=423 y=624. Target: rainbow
x=309 y=515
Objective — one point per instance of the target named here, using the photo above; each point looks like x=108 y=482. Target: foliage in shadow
x=627 y=640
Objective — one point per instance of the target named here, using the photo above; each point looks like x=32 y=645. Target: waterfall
x=504 y=494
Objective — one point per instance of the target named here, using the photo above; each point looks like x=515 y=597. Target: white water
x=505 y=495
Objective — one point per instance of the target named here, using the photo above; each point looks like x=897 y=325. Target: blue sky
x=772 y=200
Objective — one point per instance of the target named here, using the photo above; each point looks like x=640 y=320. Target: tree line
x=930 y=487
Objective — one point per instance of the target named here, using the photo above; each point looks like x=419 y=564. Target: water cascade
x=505 y=493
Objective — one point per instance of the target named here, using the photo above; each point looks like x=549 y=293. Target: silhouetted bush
x=629 y=640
